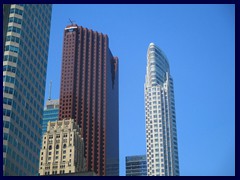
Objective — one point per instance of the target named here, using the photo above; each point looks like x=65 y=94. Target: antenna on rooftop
x=50 y=90
x=71 y=21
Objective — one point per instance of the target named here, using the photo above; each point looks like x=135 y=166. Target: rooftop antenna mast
x=71 y=21
x=50 y=91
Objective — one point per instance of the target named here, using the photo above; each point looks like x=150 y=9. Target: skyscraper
x=24 y=76
x=62 y=148
x=50 y=113
x=161 y=132
x=89 y=94
x=136 y=165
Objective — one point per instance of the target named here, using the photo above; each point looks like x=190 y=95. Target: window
x=12 y=48
x=50 y=147
x=9 y=68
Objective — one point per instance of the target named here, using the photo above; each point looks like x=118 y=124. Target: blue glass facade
x=50 y=113
x=24 y=75
x=136 y=165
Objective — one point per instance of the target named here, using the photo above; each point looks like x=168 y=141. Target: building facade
x=136 y=165
x=161 y=132
x=89 y=94
x=6 y=10
x=62 y=149
x=24 y=76
x=50 y=113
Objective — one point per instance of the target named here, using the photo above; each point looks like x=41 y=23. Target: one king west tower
x=89 y=94
x=161 y=133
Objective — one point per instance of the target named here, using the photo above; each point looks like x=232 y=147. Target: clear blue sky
x=199 y=41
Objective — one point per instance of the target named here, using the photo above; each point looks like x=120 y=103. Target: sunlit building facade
x=161 y=132
x=89 y=94
x=62 y=149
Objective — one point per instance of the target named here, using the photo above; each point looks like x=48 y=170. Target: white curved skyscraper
x=161 y=132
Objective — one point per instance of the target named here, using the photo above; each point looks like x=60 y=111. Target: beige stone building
x=62 y=149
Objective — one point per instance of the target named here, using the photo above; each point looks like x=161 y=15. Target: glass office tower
x=161 y=132
x=136 y=165
x=50 y=113
x=24 y=76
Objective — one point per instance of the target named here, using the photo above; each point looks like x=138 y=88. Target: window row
x=9 y=68
x=12 y=48
x=15 y=20
x=7 y=101
x=14 y=29
x=10 y=58
x=16 y=11
x=8 y=90
x=13 y=39
x=8 y=79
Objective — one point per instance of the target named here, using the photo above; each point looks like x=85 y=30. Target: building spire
x=50 y=90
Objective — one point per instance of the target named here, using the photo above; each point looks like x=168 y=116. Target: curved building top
x=157 y=66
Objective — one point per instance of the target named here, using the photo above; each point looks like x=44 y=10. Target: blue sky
x=199 y=41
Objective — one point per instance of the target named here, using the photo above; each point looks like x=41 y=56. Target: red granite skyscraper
x=89 y=94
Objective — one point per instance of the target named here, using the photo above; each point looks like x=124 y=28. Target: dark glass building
x=136 y=165
x=89 y=94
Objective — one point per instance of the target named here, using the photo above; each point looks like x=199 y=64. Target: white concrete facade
x=161 y=133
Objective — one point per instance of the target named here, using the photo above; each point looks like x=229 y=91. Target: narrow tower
x=161 y=132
